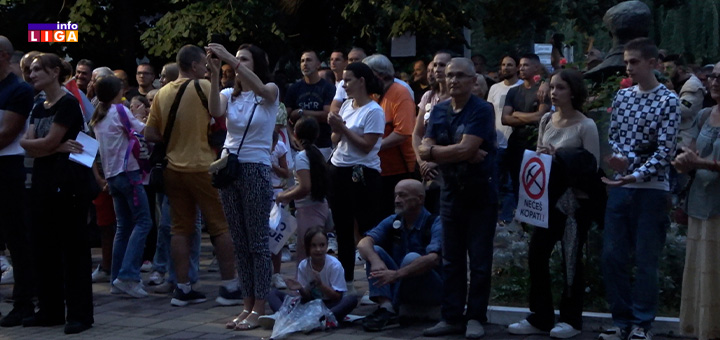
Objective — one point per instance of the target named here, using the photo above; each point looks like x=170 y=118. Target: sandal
x=246 y=324
x=237 y=320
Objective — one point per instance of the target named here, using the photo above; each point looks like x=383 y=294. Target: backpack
x=136 y=144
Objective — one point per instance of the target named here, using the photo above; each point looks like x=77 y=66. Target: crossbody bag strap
x=247 y=127
x=173 y=113
x=201 y=94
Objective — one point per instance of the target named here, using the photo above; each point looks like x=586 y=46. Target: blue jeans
x=635 y=223
x=467 y=233
x=162 y=261
x=425 y=289
x=133 y=224
x=508 y=200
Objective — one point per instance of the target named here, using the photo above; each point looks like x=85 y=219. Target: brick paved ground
x=120 y=317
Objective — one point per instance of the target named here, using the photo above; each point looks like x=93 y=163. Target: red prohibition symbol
x=533 y=178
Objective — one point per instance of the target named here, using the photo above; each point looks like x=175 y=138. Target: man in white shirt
x=496 y=96
x=338 y=61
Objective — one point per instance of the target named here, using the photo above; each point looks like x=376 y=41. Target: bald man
x=460 y=138
x=16 y=102
x=403 y=254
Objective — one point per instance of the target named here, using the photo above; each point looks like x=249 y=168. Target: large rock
x=625 y=21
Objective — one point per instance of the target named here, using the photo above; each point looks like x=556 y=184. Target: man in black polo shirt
x=523 y=111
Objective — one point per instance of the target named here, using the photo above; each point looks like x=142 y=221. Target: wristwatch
x=300 y=112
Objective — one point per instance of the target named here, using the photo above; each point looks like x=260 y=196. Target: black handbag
x=158 y=158
x=226 y=169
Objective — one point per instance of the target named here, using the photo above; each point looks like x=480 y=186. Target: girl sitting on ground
x=319 y=276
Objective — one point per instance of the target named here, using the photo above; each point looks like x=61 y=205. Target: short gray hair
x=103 y=71
x=381 y=65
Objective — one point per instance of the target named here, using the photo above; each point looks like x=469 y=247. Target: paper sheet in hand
x=90 y=148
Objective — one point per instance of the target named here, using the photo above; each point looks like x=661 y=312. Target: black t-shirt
x=302 y=95
x=16 y=95
x=65 y=112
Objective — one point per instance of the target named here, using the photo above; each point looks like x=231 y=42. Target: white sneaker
x=332 y=244
x=365 y=300
x=131 y=288
x=146 y=267
x=563 y=330
x=614 y=333
x=156 y=279
x=7 y=277
x=639 y=333
x=285 y=255
x=523 y=327
x=4 y=263
x=164 y=288
x=100 y=275
x=115 y=290
x=359 y=261
x=277 y=281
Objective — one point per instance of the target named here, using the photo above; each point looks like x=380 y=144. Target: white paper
x=533 y=207
x=90 y=149
x=543 y=48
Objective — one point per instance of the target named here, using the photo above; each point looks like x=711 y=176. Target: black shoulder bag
x=226 y=170
x=158 y=158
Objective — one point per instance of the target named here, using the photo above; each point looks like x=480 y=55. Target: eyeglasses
x=713 y=76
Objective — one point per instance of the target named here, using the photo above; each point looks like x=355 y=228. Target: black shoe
x=227 y=298
x=74 y=327
x=41 y=320
x=379 y=320
x=182 y=299
x=16 y=316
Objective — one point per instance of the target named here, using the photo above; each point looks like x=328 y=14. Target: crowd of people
x=411 y=178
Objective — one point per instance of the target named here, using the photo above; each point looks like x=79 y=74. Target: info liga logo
x=59 y=32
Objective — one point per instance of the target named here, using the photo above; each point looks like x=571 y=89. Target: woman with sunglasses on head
x=250 y=108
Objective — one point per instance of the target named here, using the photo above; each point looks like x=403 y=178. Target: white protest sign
x=533 y=205
x=282 y=226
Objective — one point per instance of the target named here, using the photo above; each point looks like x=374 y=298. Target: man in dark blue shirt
x=460 y=137
x=403 y=254
x=311 y=96
x=16 y=100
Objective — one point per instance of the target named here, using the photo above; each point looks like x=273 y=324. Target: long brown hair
x=260 y=67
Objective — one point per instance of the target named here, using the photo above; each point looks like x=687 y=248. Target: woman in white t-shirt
x=253 y=101
x=124 y=180
x=355 y=165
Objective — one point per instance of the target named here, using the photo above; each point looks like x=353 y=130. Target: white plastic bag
x=294 y=316
x=282 y=226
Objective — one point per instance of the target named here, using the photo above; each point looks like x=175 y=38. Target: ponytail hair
x=307 y=130
x=106 y=89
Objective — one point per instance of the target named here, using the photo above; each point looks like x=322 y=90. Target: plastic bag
x=295 y=316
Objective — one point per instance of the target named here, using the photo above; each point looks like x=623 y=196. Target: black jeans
x=13 y=229
x=541 y=246
x=62 y=252
x=353 y=201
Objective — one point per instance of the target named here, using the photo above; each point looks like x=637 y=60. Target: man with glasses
x=460 y=137
x=145 y=75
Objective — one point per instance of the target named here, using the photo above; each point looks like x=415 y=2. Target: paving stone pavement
x=121 y=317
